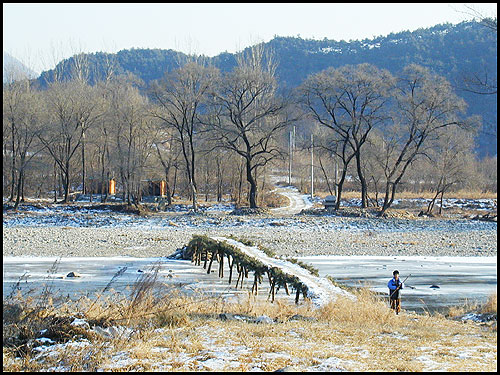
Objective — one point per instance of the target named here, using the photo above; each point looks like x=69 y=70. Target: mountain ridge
x=452 y=50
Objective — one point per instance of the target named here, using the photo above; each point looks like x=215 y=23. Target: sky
x=40 y=35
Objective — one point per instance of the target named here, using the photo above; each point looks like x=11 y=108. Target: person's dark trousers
x=396 y=305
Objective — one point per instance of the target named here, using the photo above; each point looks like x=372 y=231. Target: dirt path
x=298 y=201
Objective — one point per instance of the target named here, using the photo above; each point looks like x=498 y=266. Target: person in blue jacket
x=395 y=285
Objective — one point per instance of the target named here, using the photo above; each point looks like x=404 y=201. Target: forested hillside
x=457 y=52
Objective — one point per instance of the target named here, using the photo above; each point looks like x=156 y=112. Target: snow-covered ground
x=298 y=201
x=474 y=204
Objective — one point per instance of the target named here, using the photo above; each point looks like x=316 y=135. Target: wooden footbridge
x=243 y=259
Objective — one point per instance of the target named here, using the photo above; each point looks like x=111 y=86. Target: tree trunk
x=167 y=189
x=441 y=203
x=175 y=182
x=326 y=176
x=240 y=185
x=219 y=180
x=23 y=179
x=13 y=172
x=362 y=181
x=83 y=164
x=66 y=189
x=252 y=195
x=18 y=197
x=430 y=207
x=340 y=186
x=388 y=200
x=55 y=182
x=193 y=194
x=386 y=204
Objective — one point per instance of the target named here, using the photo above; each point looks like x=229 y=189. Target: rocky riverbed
x=112 y=234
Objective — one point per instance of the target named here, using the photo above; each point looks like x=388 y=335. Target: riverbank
x=153 y=332
x=287 y=236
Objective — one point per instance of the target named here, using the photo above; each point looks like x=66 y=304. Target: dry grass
x=491 y=305
x=460 y=194
x=172 y=332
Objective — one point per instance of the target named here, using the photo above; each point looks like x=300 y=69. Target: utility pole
x=291 y=151
x=312 y=167
x=290 y=159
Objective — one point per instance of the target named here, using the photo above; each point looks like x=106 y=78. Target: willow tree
x=426 y=107
x=182 y=97
x=349 y=102
x=73 y=107
x=249 y=114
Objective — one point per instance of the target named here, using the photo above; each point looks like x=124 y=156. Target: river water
x=459 y=279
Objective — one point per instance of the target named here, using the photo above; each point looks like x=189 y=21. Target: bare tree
x=249 y=114
x=73 y=108
x=426 y=105
x=372 y=168
x=168 y=152
x=451 y=161
x=15 y=90
x=483 y=81
x=182 y=98
x=350 y=102
x=133 y=133
x=22 y=111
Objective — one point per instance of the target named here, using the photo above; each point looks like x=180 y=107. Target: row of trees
x=384 y=123
x=199 y=121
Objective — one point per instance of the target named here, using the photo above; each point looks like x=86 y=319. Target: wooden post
x=256 y=283
x=230 y=262
x=271 y=290
x=206 y=260
x=286 y=289
x=193 y=256
x=221 y=265
x=211 y=260
x=244 y=274
x=238 y=268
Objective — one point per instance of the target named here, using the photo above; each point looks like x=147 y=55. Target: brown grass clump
x=491 y=305
x=274 y=200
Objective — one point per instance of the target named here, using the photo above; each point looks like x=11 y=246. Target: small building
x=98 y=186
x=112 y=187
x=155 y=188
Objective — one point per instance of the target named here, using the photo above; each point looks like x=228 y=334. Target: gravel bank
x=292 y=236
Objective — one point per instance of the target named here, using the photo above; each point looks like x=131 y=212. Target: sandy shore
x=292 y=236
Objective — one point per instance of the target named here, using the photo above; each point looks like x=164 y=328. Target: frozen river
x=459 y=279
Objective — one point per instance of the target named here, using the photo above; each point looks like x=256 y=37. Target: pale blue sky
x=41 y=35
